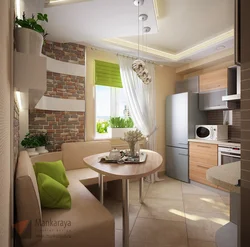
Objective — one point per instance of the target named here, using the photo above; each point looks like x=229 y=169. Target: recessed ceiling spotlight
x=138 y=2
x=188 y=60
x=143 y=17
x=146 y=29
x=220 y=47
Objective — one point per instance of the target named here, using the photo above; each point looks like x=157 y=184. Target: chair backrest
x=74 y=152
x=28 y=207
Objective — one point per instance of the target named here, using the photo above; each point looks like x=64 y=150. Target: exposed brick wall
x=66 y=52
x=216 y=117
x=16 y=128
x=61 y=126
x=65 y=86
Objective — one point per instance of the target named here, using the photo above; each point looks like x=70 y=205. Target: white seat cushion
x=87 y=223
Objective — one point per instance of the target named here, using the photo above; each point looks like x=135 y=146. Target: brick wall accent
x=65 y=86
x=16 y=128
x=66 y=52
x=61 y=126
x=216 y=117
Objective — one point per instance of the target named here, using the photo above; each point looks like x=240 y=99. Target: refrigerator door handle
x=181 y=143
x=183 y=154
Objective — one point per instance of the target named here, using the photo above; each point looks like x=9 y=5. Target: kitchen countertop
x=220 y=143
x=225 y=176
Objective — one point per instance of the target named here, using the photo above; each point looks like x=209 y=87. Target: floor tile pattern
x=174 y=214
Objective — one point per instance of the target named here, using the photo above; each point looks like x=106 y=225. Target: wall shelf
x=30 y=75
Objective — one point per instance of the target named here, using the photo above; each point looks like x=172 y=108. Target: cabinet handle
x=201 y=146
x=204 y=167
x=183 y=154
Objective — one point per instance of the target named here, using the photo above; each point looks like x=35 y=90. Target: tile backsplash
x=216 y=117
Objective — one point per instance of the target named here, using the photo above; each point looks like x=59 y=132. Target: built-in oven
x=228 y=154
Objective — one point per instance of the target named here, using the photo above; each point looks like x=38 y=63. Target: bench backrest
x=28 y=207
x=74 y=152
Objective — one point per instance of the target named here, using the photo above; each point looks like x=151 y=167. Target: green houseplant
x=30 y=34
x=43 y=141
x=30 y=142
x=102 y=127
x=119 y=125
x=119 y=122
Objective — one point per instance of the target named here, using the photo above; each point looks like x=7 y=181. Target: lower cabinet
x=202 y=156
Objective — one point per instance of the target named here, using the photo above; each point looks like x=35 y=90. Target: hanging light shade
x=140 y=69
x=138 y=65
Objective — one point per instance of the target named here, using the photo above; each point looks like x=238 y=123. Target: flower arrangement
x=132 y=137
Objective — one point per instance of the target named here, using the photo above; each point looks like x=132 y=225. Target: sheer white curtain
x=141 y=101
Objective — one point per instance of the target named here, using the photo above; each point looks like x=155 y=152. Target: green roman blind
x=107 y=74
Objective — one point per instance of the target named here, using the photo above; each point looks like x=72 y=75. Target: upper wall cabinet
x=215 y=80
x=190 y=85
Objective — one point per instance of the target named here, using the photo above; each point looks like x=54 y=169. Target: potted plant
x=102 y=127
x=29 y=36
x=30 y=143
x=119 y=125
x=43 y=141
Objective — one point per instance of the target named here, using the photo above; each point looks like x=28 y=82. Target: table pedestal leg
x=141 y=190
x=125 y=211
x=100 y=182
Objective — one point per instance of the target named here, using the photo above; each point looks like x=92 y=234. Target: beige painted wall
x=6 y=90
x=165 y=82
x=164 y=85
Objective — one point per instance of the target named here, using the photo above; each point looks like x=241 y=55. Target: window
x=110 y=102
x=110 y=96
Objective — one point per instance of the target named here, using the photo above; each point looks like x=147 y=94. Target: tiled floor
x=174 y=214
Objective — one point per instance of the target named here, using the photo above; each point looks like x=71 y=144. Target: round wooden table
x=125 y=172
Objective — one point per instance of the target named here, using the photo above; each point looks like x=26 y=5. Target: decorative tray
x=126 y=159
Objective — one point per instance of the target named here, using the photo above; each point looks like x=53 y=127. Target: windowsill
x=102 y=136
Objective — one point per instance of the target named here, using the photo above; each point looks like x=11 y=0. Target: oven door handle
x=231 y=155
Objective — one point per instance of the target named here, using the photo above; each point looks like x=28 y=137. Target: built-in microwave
x=211 y=132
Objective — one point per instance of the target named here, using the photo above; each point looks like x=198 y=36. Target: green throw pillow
x=54 y=169
x=52 y=194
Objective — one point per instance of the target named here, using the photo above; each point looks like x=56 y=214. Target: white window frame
x=114 y=102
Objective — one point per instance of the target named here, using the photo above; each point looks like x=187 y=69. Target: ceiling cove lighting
x=19 y=101
x=175 y=56
x=220 y=47
x=18 y=8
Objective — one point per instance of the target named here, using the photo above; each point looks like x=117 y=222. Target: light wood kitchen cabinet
x=188 y=85
x=214 y=80
x=202 y=156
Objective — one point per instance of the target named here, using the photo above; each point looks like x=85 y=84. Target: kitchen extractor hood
x=234 y=84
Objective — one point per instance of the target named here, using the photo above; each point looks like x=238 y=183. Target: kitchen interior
x=203 y=140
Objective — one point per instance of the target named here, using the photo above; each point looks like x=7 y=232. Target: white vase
x=41 y=150
x=32 y=151
x=28 y=41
